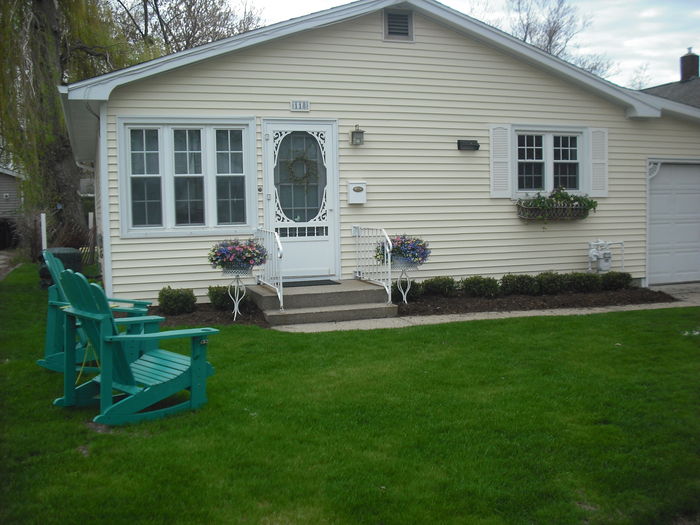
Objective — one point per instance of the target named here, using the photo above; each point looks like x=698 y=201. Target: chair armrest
x=170 y=334
x=134 y=302
x=126 y=321
x=129 y=309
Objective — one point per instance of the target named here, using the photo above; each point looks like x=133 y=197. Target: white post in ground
x=44 y=243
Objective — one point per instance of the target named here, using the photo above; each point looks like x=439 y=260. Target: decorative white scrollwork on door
x=300 y=183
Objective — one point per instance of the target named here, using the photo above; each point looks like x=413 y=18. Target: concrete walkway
x=687 y=295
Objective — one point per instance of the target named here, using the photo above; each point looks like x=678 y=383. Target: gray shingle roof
x=687 y=92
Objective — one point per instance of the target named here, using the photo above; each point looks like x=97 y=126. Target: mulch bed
x=458 y=305
x=206 y=315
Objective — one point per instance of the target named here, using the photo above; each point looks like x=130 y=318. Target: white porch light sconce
x=357 y=136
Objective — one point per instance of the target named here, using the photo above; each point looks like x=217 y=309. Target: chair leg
x=130 y=409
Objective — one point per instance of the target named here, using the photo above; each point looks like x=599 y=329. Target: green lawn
x=586 y=419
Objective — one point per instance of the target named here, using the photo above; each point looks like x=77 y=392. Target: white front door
x=301 y=195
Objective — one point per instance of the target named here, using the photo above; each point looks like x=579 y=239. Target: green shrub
x=521 y=284
x=414 y=292
x=176 y=301
x=581 y=282
x=477 y=286
x=445 y=286
x=551 y=283
x=615 y=280
x=219 y=297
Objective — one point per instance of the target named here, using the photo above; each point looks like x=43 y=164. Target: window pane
x=151 y=139
x=530 y=176
x=137 y=140
x=222 y=164
x=195 y=163
x=236 y=140
x=137 y=167
x=188 y=151
x=221 y=140
x=230 y=200
x=146 y=201
x=566 y=175
x=181 y=163
x=189 y=200
x=236 y=162
x=152 y=167
x=180 y=140
x=195 y=144
x=229 y=155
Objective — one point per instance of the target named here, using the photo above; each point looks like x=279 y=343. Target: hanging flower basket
x=406 y=252
x=558 y=206
x=403 y=263
x=237 y=257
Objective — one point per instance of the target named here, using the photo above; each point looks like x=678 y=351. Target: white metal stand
x=403 y=281
x=236 y=288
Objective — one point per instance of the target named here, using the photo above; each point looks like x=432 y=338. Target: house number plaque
x=299 y=105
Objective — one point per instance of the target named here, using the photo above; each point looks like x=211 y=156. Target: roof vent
x=689 y=65
x=398 y=25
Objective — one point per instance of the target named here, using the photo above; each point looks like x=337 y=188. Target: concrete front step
x=347 y=292
x=326 y=314
x=348 y=301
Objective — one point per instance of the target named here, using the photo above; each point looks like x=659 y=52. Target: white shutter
x=500 y=161
x=599 y=162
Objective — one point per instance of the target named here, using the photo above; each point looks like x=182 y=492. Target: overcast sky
x=630 y=32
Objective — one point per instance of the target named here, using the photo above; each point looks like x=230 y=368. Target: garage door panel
x=674 y=224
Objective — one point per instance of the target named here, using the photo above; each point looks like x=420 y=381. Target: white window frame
x=165 y=128
x=548 y=133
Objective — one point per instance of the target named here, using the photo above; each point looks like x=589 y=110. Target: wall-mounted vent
x=398 y=25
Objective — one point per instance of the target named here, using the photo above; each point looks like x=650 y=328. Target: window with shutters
x=183 y=177
x=526 y=160
x=398 y=25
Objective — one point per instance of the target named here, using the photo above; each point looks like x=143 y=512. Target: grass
x=585 y=419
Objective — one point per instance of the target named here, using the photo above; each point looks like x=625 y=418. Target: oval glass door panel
x=300 y=186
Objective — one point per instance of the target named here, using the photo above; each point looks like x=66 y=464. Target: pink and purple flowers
x=237 y=253
x=412 y=249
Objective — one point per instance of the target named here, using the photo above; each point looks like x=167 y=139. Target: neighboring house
x=205 y=144
x=687 y=89
x=10 y=197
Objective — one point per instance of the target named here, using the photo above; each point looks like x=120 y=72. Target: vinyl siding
x=414 y=100
x=9 y=185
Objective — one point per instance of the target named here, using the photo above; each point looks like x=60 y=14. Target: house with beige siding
x=255 y=130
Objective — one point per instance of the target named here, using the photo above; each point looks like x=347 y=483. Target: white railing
x=271 y=274
x=373 y=256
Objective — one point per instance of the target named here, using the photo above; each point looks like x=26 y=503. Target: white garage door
x=674 y=224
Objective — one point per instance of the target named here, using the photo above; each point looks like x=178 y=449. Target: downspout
x=104 y=202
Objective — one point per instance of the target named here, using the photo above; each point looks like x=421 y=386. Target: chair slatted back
x=55 y=267
x=90 y=304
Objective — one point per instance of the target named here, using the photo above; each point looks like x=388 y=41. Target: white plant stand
x=236 y=288
x=403 y=281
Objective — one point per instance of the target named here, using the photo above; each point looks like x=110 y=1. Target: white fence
x=271 y=274
x=373 y=256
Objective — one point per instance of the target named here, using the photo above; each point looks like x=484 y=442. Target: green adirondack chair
x=153 y=377
x=55 y=321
